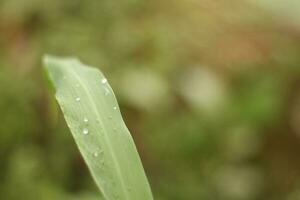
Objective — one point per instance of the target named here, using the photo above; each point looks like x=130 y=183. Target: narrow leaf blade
x=92 y=114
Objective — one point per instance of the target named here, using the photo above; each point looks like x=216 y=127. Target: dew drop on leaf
x=85 y=131
x=77 y=99
x=85 y=120
x=103 y=81
x=95 y=154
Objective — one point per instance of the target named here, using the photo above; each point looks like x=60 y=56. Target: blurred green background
x=209 y=89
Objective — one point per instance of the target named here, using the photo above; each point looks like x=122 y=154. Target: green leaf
x=93 y=116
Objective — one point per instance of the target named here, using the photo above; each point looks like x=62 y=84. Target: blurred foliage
x=209 y=89
x=288 y=9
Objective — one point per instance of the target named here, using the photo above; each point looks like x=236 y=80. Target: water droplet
x=77 y=99
x=85 y=131
x=110 y=117
x=115 y=129
x=104 y=81
x=115 y=108
x=85 y=120
x=95 y=154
